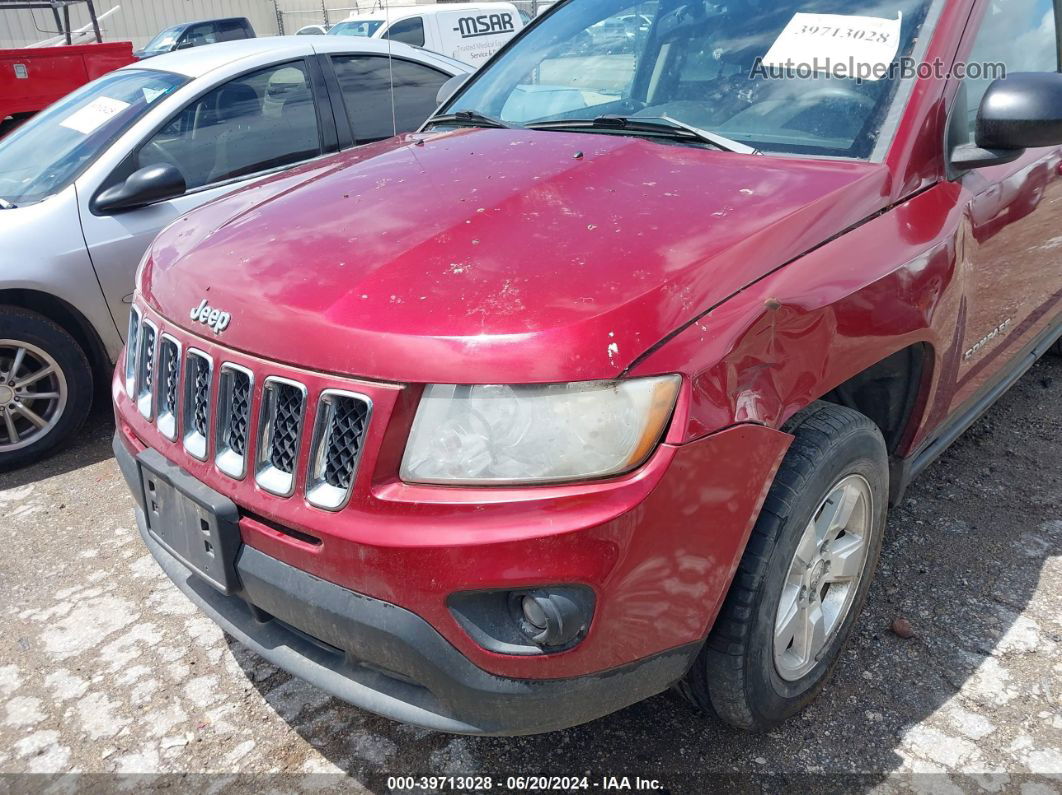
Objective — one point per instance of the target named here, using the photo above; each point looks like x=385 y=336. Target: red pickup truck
x=602 y=382
x=31 y=79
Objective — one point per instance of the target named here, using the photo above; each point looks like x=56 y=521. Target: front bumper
x=383 y=658
x=657 y=546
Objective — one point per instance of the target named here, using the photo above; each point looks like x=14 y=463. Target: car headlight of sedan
x=537 y=433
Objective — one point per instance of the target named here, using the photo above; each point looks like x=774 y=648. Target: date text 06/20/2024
x=524 y=783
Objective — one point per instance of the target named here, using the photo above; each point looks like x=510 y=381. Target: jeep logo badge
x=209 y=316
x=485 y=25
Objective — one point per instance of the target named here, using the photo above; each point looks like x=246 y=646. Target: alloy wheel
x=33 y=394
x=823 y=577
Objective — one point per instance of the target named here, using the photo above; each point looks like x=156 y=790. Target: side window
x=366 y=84
x=259 y=121
x=198 y=35
x=407 y=31
x=231 y=30
x=1020 y=34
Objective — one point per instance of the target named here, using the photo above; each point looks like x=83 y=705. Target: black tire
x=11 y=123
x=1056 y=349
x=736 y=676
x=25 y=326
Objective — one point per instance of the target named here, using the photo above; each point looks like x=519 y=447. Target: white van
x=469 y=32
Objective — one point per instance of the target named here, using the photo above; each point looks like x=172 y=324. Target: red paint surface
x=53 y=72
x=495 y=254
x=487 y=256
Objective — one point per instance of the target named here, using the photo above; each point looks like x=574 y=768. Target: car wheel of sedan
x=45 y=386
x=804 y=575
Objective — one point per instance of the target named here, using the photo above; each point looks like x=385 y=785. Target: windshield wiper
x=6 y=205
x=655 y=125
x=468 y=118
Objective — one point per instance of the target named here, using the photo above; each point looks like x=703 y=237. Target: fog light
x=555 y=617
x=533 y=613
x=543 y=620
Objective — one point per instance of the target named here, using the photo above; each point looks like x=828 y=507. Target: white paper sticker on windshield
x=94 y=115
x=151 y=94
x=838 y=44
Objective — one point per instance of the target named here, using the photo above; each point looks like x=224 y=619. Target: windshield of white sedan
x=766 y=73
x=48 y=152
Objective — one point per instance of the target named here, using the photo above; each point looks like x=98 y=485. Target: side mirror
x=1021 y=111
x=145 y=186
x=449 y=88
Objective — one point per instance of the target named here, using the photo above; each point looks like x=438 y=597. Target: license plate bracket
x=193 y=522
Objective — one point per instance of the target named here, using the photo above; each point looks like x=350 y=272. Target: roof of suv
x=198 y=61
x=209 y=20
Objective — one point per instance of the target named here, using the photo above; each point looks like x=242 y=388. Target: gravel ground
x=106 y=668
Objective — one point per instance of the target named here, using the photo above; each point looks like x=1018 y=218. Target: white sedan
x=86 y=184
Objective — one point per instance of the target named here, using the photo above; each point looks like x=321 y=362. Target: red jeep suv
x=603 y=380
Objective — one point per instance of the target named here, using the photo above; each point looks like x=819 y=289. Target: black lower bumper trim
x=385 y=659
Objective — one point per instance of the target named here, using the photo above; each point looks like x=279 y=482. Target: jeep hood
x=495 y=255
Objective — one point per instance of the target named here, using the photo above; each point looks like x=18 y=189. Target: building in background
x=139 y=20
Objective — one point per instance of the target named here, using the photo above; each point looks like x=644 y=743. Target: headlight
x=492 y=435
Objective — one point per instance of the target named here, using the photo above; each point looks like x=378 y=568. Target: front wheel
x=804 y=575
x=45 y=386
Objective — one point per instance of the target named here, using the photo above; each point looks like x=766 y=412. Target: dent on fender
x=670 y=586
x=809 y=326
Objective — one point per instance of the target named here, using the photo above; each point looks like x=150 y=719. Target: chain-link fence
x=295 y=14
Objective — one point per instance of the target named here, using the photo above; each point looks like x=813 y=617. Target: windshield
x=761 y=72
x=46 y=153
x=164 y=41
x=365 y=27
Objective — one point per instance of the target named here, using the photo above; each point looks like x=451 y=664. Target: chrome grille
x=174 y=386
x=235 y=388
x=346 y=431
x=201 y=396
x=132 y=343
x=236 y=426
x=279 y=433
x=145 y=375
x=283 y=448
x=338 y=437
x=170 y=375
x=197 y=403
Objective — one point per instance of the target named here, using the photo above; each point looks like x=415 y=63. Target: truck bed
x=32 y=79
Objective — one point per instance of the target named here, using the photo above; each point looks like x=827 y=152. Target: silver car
x=88 y=183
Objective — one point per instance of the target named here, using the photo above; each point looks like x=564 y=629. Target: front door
x=1013 y=243
x=249 y=125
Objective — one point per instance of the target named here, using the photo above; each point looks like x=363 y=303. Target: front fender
x=42 y=250
x=807 y=327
